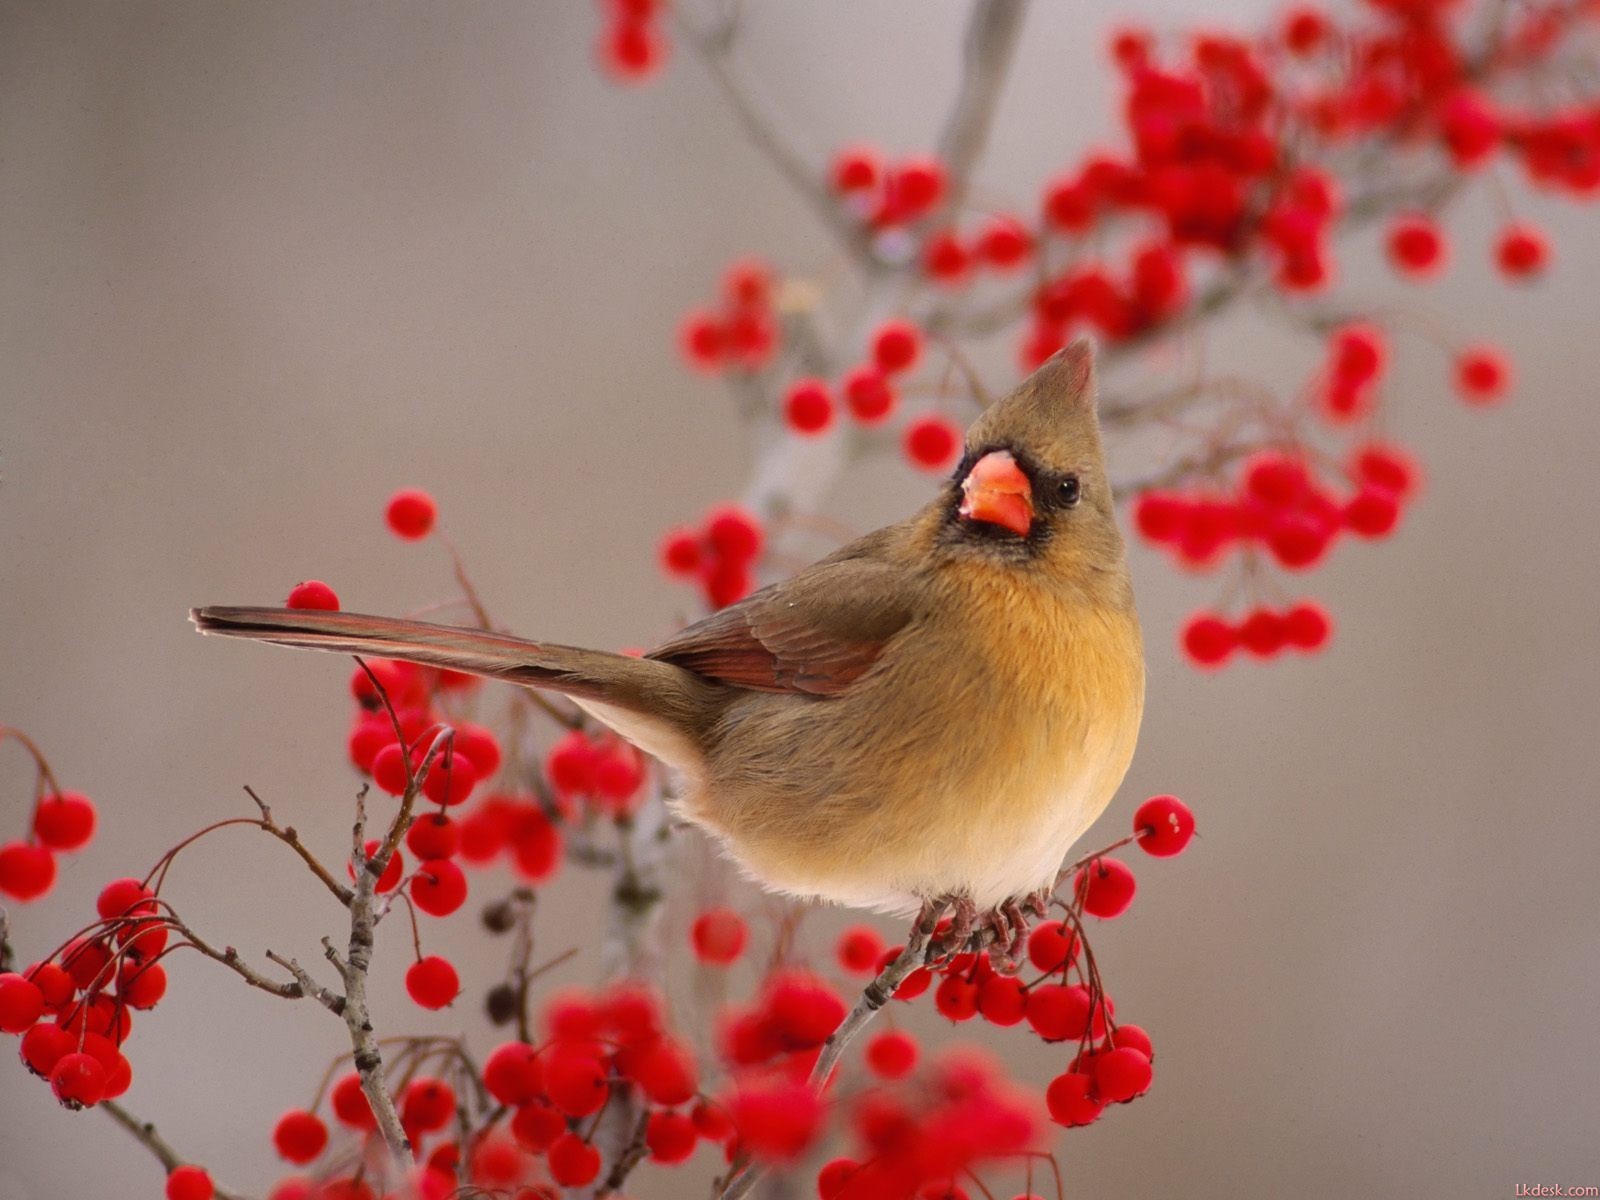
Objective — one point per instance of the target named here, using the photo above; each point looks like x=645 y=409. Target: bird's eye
x=1068 y=490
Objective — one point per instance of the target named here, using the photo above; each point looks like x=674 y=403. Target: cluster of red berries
x=887 y=194
x=632 y=46
x=1280 y=507
x=63 y=823
x=1210 y=640
x=720 y=555
x=75 y=1008
x=1002 y=245
x=742 y=334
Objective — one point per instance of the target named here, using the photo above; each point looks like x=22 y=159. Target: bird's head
x=1031 y=488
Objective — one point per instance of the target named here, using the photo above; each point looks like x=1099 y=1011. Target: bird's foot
x=951 y=940
x=1008 y=925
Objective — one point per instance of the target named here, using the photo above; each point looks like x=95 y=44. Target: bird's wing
x=816 y=633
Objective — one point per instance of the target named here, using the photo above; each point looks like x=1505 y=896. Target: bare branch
x=991 y=40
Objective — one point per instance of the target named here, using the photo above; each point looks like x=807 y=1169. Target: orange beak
x=997 y=492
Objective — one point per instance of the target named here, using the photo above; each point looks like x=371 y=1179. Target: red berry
x=734 y=534
x=932 y=442
x=1208 y=640
x=632 y=50
x=1164 y=825
x=43 y=1046
x=428 y=1105
x=896 y=346
x=434 y=835
x=1307 y=626
x=299 y=1136
x=576 y=1083
x=313 y=593
x=1072 y=1100
x=915 y=187
x=432 y=982
x=868 y=394
x=1003 y=243
x=777 y=1121
x=189 y=1183
x=514 y=1074
x=54 y=984
x=450 y=779
x=390 y=769
x=411 y=514
x=1058 y=1011
x=1358 y=353
x=808 y=406
x=680 y=553
x=859 y=949
x=64 y=821
x=855 y=169
x=1261 y=633
x=834 y=1176
x=439 y=887
x=748 y=283
x=1373 y=512
x=1521 y=251
x=78 y=1080
x=1053 y=946
x=1416 y=246
x=1160 y=516
x=1106 y=886
x=350 y=1105
x=1121 y=1074
x=671 y=1137
x=1132 y=1037
x=946 y=257
x=1297 y=542
x=703 y=340
x=26 y=872
x=1482 y=375
x=1304 y=29
x=573 y=1162
x=481 y=746
x=719 y=936
x=1386 y=466
x=21 y=1003
x=1002 y=1000
x=956 y=998
x=892 y=1054
x=143 y=984
x=666 y=1073
x=536 y=1127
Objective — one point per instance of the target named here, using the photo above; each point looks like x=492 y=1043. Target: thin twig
x=144 y=1132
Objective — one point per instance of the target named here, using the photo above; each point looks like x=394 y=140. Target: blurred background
x=264 y=264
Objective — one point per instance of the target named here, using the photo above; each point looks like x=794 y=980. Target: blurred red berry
x=1482 y=375
x=855 y=169
x=808 y=406
x=411 y=514
x=1003 y=243
x=1373 y=512
x=896 y=346
x=189 y=1183
x=891 y=1054
x=719 y=936
x=26 y=872
x=1306 y=626
x=1416 y=247
x=64 y=821
x=1209 y=640
x=932 y=442
x=1261 y=633
x=313 y=593
x=868 y=394
x=681 y=553
x=734 y=534
x=859 y=949
x=632 y=50
x=703 y=340
x=573 y=1162
x=299 y=1136
x=1521 y=251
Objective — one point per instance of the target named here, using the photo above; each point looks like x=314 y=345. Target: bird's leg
x=963 y=919
x=1038 y=903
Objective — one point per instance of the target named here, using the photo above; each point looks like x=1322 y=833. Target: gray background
x=265 y=263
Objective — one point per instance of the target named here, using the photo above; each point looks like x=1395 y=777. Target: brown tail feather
x=645 y=686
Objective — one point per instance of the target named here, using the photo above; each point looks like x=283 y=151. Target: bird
x=931 y=715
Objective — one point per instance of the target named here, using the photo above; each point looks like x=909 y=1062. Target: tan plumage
x=939 y=708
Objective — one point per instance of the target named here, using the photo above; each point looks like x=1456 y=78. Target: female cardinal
x=934 y=713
